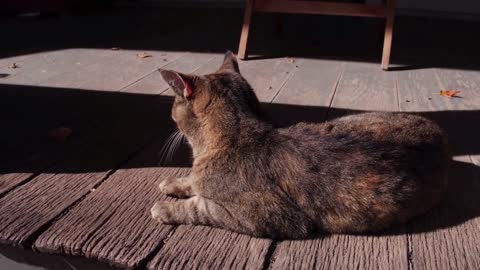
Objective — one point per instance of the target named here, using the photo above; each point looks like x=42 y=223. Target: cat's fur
x=354 y=174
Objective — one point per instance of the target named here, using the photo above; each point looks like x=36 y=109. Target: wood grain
x=364 y=87
x=309 y=91
x=267 y=76
x=313 y=84
x=202 y=247
x=113 y=223
x=121 y=70
x=343 y=251
x=154 y=84
x=38 y=69
x=25 y=211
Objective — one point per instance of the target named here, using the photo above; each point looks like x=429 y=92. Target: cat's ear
x=230 y=63
x=182 y=85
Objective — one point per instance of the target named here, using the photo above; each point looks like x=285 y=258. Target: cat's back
x=389 y=128
x=374 y=168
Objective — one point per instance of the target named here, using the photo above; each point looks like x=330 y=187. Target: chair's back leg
x=242 y=47
x=387 y=40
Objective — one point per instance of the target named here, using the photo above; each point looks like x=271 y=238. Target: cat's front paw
x=175 y=187
x=161 y=211
x=165 y=185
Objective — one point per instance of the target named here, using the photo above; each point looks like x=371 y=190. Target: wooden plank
x=5 y=62
x=200 y=247
x=154 y=84
x=343 y=252
x=25 y=62
x=466 y=107
x=121 y=70
x=364 y=88
x=309 y=92
x=115 y=229
x=22 y=100
x=447 y=237
x=26 y=210
x=9 y=181
x=313 y=84
x=361 y=87
x=19 y=259
x=29 y=148
x=418 y=91
x=319 y=7
x=26 y=148
x=267 y=76
x=40 y=67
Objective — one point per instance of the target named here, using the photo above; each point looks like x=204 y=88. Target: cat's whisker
x=166 y=146
x=173 y=148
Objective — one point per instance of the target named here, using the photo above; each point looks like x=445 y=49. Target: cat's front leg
x=195 y=210
x=177 y=187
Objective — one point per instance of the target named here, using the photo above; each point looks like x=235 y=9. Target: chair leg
x=242 y=48
x=387 y=40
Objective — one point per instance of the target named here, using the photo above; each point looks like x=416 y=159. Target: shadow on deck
x=97 y=117
x=75 y=197
x=418 y=42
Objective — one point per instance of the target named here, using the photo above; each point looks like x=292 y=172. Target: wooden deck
x=90 y=195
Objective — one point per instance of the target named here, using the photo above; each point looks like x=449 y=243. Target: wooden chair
x=385 y=10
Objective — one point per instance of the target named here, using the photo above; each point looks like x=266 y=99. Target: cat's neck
x=218 y=137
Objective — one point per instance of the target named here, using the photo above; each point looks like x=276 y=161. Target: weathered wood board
x=446 y=237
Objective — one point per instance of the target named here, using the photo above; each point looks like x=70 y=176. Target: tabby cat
x=354 y=174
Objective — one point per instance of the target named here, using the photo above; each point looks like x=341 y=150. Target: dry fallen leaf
x=143 y=55
x=115 y=48
x=60 y=134
x=449 y=93
x=13 y=65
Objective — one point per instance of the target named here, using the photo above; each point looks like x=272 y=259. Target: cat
x=355 y=174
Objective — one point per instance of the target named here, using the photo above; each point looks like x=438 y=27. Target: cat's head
x=213 y=104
